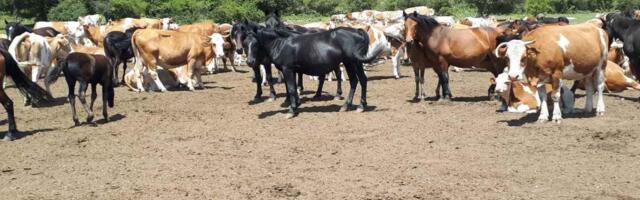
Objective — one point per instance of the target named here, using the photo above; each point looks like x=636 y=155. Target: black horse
x=318 y=54
x=4 y=44
x=239 y=32
x=29 y=89
x=622 y=26
x=117 y=47
x=274 y=22
x=13 y=29
x=87 y=69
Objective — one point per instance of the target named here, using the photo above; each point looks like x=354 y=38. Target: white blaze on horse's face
x=218 y=44
x=516 y=52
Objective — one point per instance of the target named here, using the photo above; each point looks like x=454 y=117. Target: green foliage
x=126 y=8
x=230 y=10
x=534 y=7
x=626 y=4
x=68 y=10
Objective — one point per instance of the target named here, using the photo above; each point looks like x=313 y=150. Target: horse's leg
x=439 y=73
x=105 y=100
x=353 y=83
x=290 y=80
x=446 y=91
x=258 y=81
x=263 y=72
x=320 y=84
x=8 y=106
x=272 y=90
x=233 y=64
x=81 y=95
x=363 y=83
x=94 y=95
x=423 y=95
x=300 y=84
x=339 y=80
x=124 y=70
x=416 y=75
x=71 y=84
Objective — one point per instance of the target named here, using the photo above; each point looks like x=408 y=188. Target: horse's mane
x=424 y=21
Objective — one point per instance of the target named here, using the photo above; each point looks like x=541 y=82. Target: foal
x=88 y=69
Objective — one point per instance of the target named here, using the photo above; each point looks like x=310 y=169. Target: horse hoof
x=397 y=77
x=344 y=108
x=8 y=138
x=337 y=98
x=557 y=121
x=542 y=121
x=89 y=119
x=360 y=110
x=271 y=99
x=317 y=96
x=290 y=116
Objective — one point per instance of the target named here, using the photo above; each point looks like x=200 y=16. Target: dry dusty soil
x=215 y=144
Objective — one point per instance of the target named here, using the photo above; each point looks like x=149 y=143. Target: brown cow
x=171 y=49
x=204 y=28
x=551 y=53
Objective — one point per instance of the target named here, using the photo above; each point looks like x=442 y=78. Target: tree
x=68 y=10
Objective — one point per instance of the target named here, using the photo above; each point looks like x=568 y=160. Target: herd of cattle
x=528 y=57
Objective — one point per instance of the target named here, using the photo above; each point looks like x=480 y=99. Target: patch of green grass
x=28 y=22
x=304 y=19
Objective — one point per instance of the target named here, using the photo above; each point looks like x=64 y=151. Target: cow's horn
x=497 y=52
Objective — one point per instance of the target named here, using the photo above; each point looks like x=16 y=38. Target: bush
x=68 y=10
x=230 y=10
x=126 y=8
x=534 y=7
x=626 y=4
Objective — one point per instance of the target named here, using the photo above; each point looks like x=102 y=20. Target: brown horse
x=29 y=89
x=430 y=44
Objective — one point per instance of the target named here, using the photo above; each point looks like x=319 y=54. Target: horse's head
x=517 y=52
x=13 y=29
x=273 y=20
x=415 y=23
x=251 y=46
x=239 y=31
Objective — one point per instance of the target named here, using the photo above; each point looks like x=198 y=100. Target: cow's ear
x=415 y=12
x=532 y=51
x=245 y=21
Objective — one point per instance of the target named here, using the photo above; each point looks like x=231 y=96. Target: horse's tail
x=22 y=82
x=362 y=54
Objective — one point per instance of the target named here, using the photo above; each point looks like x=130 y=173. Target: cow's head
x=218 y=44
x=516 y=51
x=168 y=23
x=519 y=97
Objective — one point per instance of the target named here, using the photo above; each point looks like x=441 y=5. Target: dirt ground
x=215 y=144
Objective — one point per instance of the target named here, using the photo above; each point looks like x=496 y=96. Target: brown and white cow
x=172 y=49
x=204 y=28
x=549 y=54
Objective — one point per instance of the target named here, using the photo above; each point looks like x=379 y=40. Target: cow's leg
x=396 y=59
x=589 y=87
x=320 y=84
x=272 y=90
x=339 y=80
x=544 y=111
x=137 y=70
x=154 y=75
x=8 y=106
x=263 y=72
x=353 y=83
x=82 y=96
x=124 y=70
x=600 y=84
x=555 y=97
x=363 y=83
x=290 y=80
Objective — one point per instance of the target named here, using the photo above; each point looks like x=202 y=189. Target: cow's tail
x=56 y=70
x=23 y=83
x=363 y=54
x=138 y=65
